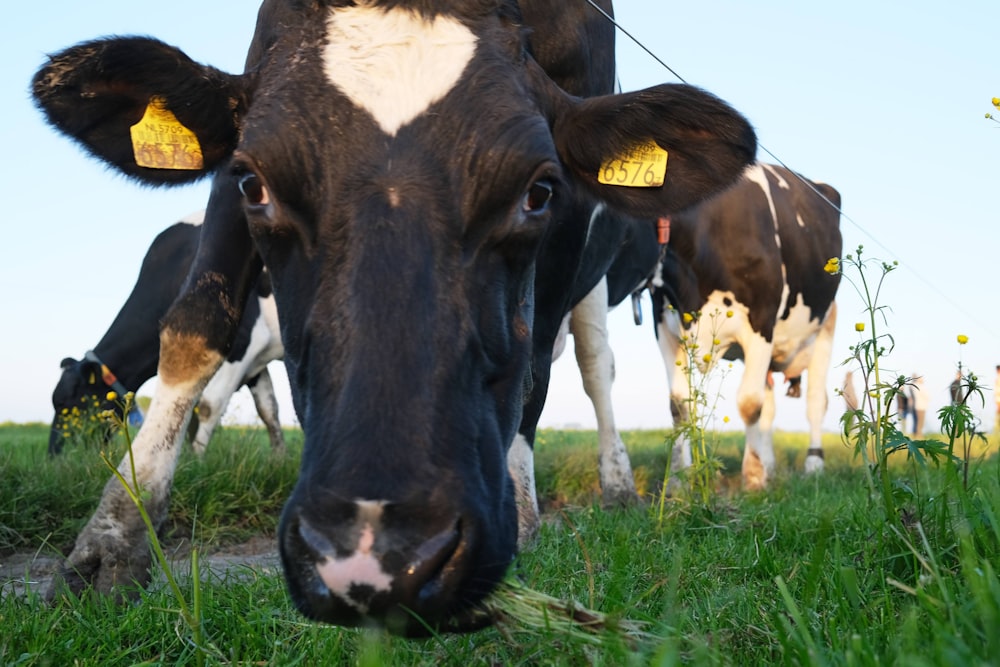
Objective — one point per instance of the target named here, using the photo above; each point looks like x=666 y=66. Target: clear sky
x=883 y=100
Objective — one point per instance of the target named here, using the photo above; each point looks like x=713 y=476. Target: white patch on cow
x=521 y=465
x=594 y=215
x=597 y=367
x=361 y=568
x=394 y=63
x=782 y=183
x=194 y=218
x=755 y=174
x=559 y=346
x=715 y=325
x=788 y=335
x=264 y=347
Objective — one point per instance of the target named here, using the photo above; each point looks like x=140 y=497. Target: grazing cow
x=422 y=194
x=633 y=262
x=749 y=265
x=131 y=347
x=127 y=354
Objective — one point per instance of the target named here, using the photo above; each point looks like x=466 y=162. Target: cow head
x=398 y=166
x=80 y=394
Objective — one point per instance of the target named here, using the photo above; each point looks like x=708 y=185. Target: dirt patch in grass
x=25 y=572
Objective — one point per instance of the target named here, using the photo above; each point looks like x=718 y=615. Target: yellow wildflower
x=688 y=318
x=725 y=420
x=716 y=341
x=729 y=313
x=996 y=102
x=962 y=339
x=859 y=326
x=112 y=395
x=707 y=358
x=832 y=265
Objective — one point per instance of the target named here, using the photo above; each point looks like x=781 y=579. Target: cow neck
x=107 y=376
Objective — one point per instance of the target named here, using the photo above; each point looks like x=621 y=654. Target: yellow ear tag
x=643 y=166
x=159 y=141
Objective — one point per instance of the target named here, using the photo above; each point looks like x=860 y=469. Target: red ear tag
x=106 y=375
x=663 y=230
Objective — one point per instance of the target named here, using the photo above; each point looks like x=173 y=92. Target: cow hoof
x=814 y=464
x=754 y=481
x=119 y=573
x=623 y=497
x=527 y=531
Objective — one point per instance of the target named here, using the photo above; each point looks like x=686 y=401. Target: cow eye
x=253 y=189
x=538 y=196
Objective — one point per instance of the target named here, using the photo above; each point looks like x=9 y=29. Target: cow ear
x=707 y=146
x=97 y=92
x=67 y=362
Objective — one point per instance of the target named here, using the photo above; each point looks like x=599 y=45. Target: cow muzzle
x=366 y=572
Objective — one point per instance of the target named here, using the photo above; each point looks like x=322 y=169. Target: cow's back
x=163 y=270
x=809 y=225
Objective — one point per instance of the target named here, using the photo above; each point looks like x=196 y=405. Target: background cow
x=749 y=265
x=127 y=354
x=634 y=259
x=422 y=194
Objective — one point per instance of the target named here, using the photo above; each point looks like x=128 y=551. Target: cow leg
x=758 y=454
x=755 y=399
x=588 y=323
x=521 y=457
x=112 y=551
x=213 y=402
x=816 y=397
x=521 y=465
x=675 y=362
x=262 y=390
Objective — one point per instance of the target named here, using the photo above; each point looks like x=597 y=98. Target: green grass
x=46 y=501
x=800 y=574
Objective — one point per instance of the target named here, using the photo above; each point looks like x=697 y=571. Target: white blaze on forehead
x=395 y=64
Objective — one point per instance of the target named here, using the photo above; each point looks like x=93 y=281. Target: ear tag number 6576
x=643 y=166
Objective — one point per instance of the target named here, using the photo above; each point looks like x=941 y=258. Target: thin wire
x=934 y=288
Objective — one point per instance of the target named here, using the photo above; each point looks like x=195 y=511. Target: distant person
x=919 y=399
x=904 y=407
x=850 y=397
x=996 y=397
x=955 y=389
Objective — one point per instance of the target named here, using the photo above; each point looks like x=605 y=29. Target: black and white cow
x=127 y=354
x=634 y=260
x=422 y=194
x=747 y=268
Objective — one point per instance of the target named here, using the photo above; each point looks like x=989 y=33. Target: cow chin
x=376 y=564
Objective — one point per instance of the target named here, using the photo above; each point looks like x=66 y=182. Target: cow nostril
x=430 y=558
x=313 y=540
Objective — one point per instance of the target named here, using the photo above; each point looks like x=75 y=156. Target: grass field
x=805 y=573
